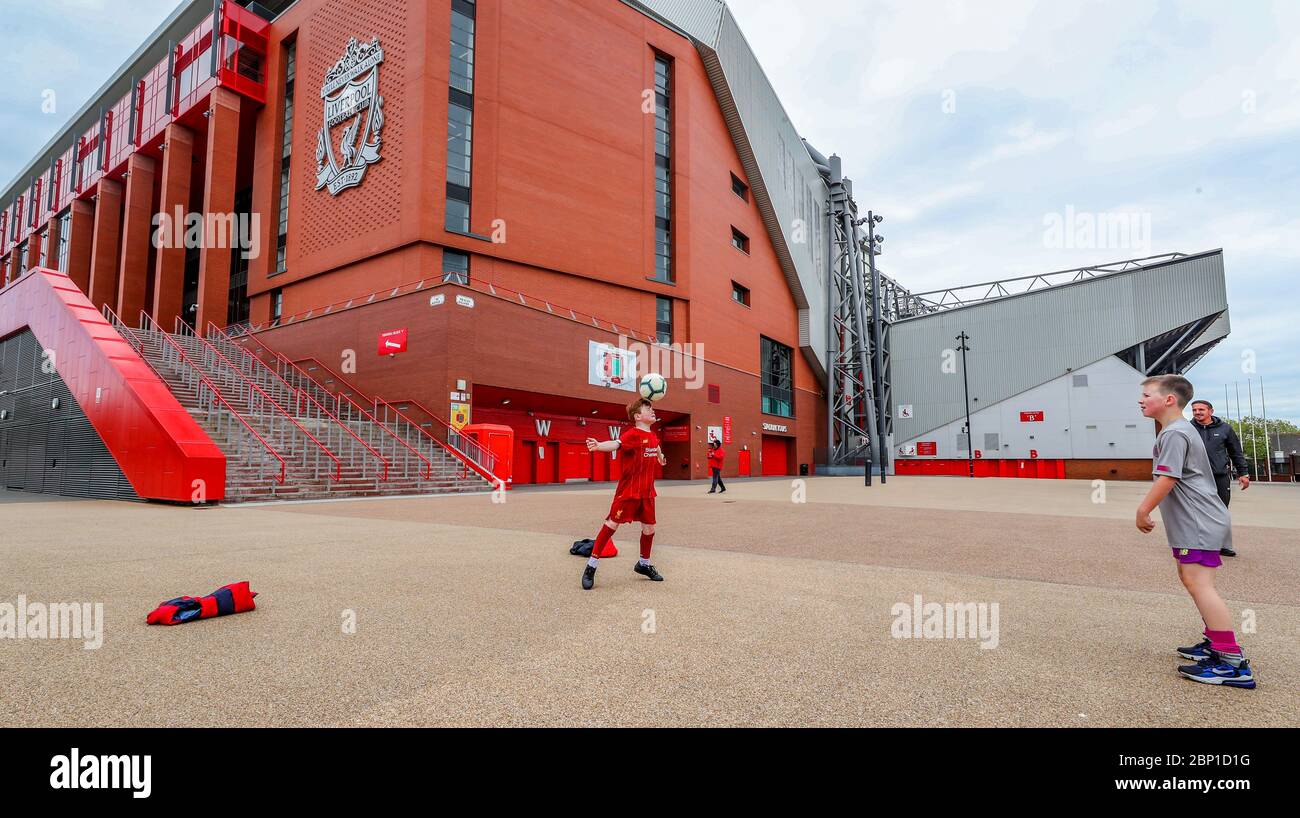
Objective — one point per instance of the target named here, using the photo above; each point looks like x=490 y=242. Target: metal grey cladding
x=1021 y=341
x=786 y=186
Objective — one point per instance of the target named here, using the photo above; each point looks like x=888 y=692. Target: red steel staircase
x=287 y=436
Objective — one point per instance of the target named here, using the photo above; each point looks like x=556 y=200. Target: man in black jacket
x=1222 y=445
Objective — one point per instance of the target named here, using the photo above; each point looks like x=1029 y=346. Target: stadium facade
x=349 y=244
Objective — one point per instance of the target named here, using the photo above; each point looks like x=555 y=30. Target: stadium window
x=777 y=380
x=739 y=188
x=739 y=294
x=65 y=224
x=277 y=304
x=455 y=267
x=21 y=253
x=460 y=117
x=286 y=149
x=663 y=172
x=663 y=320
x=739 y=241
x=45 y=249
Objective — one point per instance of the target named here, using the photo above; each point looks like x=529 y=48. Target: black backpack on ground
x=582 y=548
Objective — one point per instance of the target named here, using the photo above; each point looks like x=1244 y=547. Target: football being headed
x=653 y=386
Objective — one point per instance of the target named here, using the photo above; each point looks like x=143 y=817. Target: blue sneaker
x=1197 y=652
x=1215 y=671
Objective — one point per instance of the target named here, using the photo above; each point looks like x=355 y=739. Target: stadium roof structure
x=1159 y=315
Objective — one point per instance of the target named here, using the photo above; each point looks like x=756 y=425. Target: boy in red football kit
x=634 y=498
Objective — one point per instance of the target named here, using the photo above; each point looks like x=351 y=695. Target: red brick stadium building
x=494 y=189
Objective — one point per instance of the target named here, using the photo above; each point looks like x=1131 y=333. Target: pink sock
x=1223 y=641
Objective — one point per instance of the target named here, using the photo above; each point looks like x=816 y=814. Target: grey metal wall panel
x=46 y=449
x=1021 y=341
x=697 y=18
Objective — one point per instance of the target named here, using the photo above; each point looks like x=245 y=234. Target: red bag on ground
x=228 y=599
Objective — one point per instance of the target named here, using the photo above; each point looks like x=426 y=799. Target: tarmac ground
x=786 y=602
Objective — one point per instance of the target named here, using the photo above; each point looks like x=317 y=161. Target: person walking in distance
x=1222 y=445
x=716 y=456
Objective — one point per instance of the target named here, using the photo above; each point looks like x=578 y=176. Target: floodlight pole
x=965 y=385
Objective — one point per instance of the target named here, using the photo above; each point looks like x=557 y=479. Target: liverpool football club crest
x=354 y=116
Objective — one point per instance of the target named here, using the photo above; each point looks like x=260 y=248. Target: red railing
x=348 y=409
x=472 y=454
x=462 y=446
x=207 y=391
x=258 y=399
x=341 y=437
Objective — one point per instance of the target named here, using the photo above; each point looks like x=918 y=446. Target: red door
x=742 y=462
x=525 y=461
x=547 y=457
x=575 y=463
x=776 y=455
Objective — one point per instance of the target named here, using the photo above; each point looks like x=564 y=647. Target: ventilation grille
x=48 y=450
x=1080 y=380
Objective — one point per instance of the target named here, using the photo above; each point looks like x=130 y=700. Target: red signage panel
x=675 y=434
x=1031 y=417
x=392 y=342
x=726 y=428
x=927 y=448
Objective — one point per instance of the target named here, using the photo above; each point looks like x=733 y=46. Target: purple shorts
x=1195 y=556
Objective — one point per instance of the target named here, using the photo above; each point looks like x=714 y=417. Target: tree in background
x=1250 y=430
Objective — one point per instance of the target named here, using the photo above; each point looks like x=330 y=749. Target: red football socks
x=646 y=541
x=605 y=535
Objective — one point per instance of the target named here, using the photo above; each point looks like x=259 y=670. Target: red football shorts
x=633 y=510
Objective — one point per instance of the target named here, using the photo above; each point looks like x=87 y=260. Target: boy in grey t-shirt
x=1197 y=525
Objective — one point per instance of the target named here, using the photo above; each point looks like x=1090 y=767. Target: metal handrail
x=266 y=406
x=206 y=389
x=471 y=454
x=331 y=421
x=346 y=404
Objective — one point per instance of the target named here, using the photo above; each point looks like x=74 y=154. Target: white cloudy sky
x=1188 y=111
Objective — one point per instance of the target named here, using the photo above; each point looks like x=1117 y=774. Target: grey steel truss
x=857 y=347
x=953 y=297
